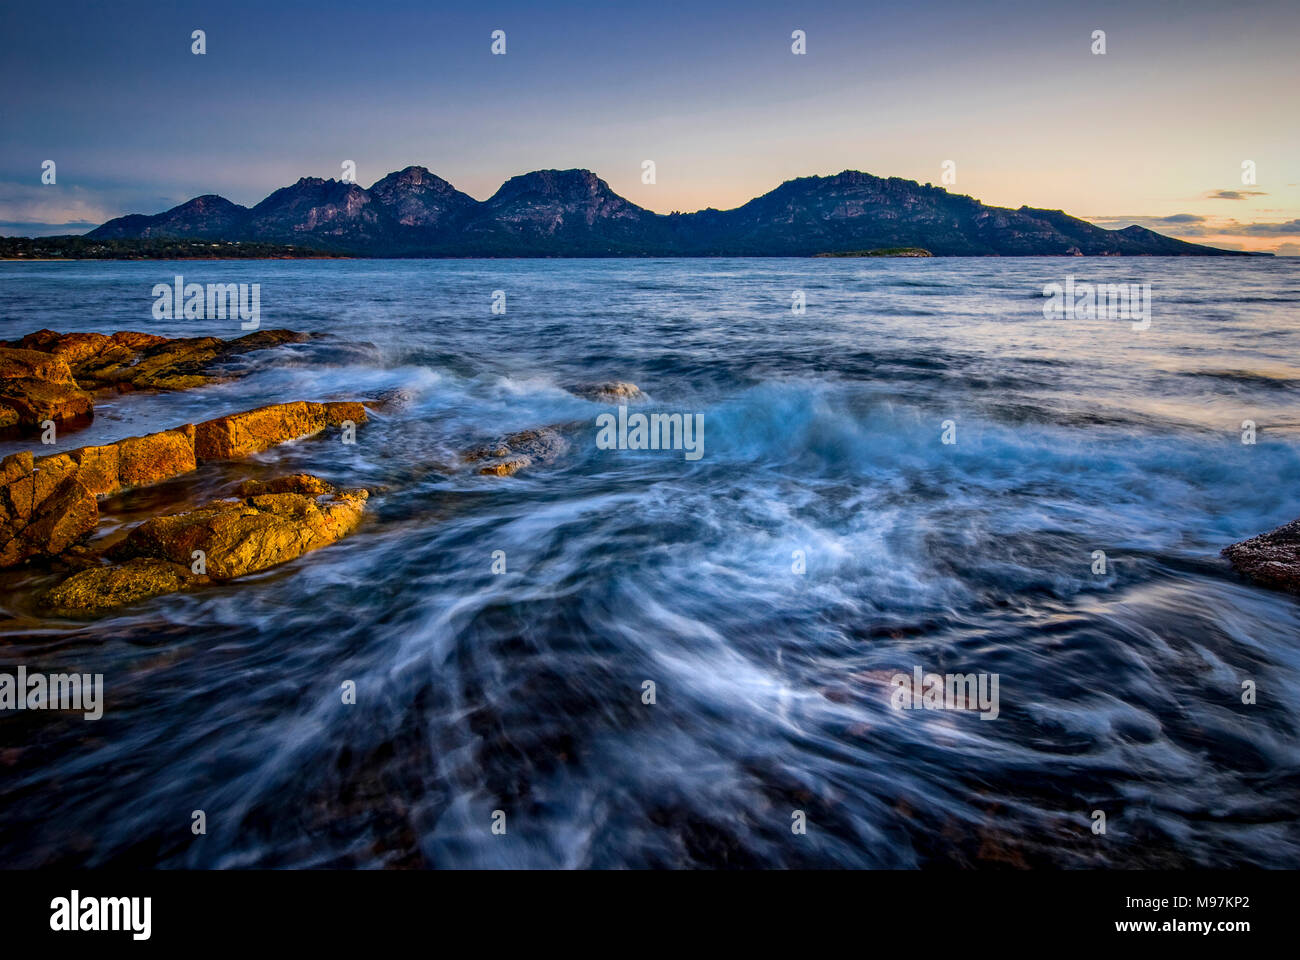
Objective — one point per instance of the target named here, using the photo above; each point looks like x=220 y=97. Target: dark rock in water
x=1272 y=558
x=398 y=398
x=516 y=451
x=610 y=391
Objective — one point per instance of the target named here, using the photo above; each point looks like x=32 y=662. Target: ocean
x=691 y=662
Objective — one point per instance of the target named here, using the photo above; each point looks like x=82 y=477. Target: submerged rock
x=101 y=588
x=1272 y=559
x=238 y=537
x=303 y=483
x=608 y=391
x=515 y=451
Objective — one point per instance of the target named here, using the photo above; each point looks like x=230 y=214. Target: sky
x=1154 y=131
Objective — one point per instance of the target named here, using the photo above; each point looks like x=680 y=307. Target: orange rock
x=104 y=587
x=132 y=360
x=238 y=537
x=36 y=387
x=16 y=363
x=303 y=483
x=136 y=341
x=35 y=401
x=156 y=457
x=241 y=434
x=44 y=509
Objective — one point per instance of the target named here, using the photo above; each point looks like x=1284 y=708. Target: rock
x=35 y=401
x=35 y=387
x=135 y=461
x=19 y=364
x=141 y=461
x=609 y=391
x=516 y=451
x=156 y=457
x=398 y=398
x=504 y=468
x=132 y=360
x=262 y=339
x=241 y=434
x=105 y=587
x=238 y=537
x=48 y=503
x=44 y=508
x=1272 y=559
x=303 y=483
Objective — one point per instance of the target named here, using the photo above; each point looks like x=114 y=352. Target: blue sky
x=1155 y=131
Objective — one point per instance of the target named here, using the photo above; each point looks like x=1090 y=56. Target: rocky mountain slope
x=573 y=213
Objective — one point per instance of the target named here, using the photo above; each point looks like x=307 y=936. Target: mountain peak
x=413 y=212
x=555 y=183
x=417 y=198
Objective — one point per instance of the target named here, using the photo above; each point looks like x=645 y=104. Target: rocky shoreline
x=50 y=514
x=50 y=505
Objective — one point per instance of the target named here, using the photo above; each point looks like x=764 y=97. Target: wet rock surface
x=241 y=434
x=36 y=387
x=102 y=588
x=218 y=541
x=44 y=508
x=239 y=537
x=1272 y=558
x=516 y=451
x=133 y=360
x=303 y=483
x=49 y=505
x=607 y=391
x=48 y=375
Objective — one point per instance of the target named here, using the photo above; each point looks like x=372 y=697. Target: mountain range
x=573 y=213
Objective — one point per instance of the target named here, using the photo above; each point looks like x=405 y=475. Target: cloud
x=1288 y=250
x=1182 y=224
x=1194 y=225
x=53 y=205
x=1268 y=229
x=41 y=228
x=1234 y=194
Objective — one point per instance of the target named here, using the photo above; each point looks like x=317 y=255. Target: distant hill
x=573 y=213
